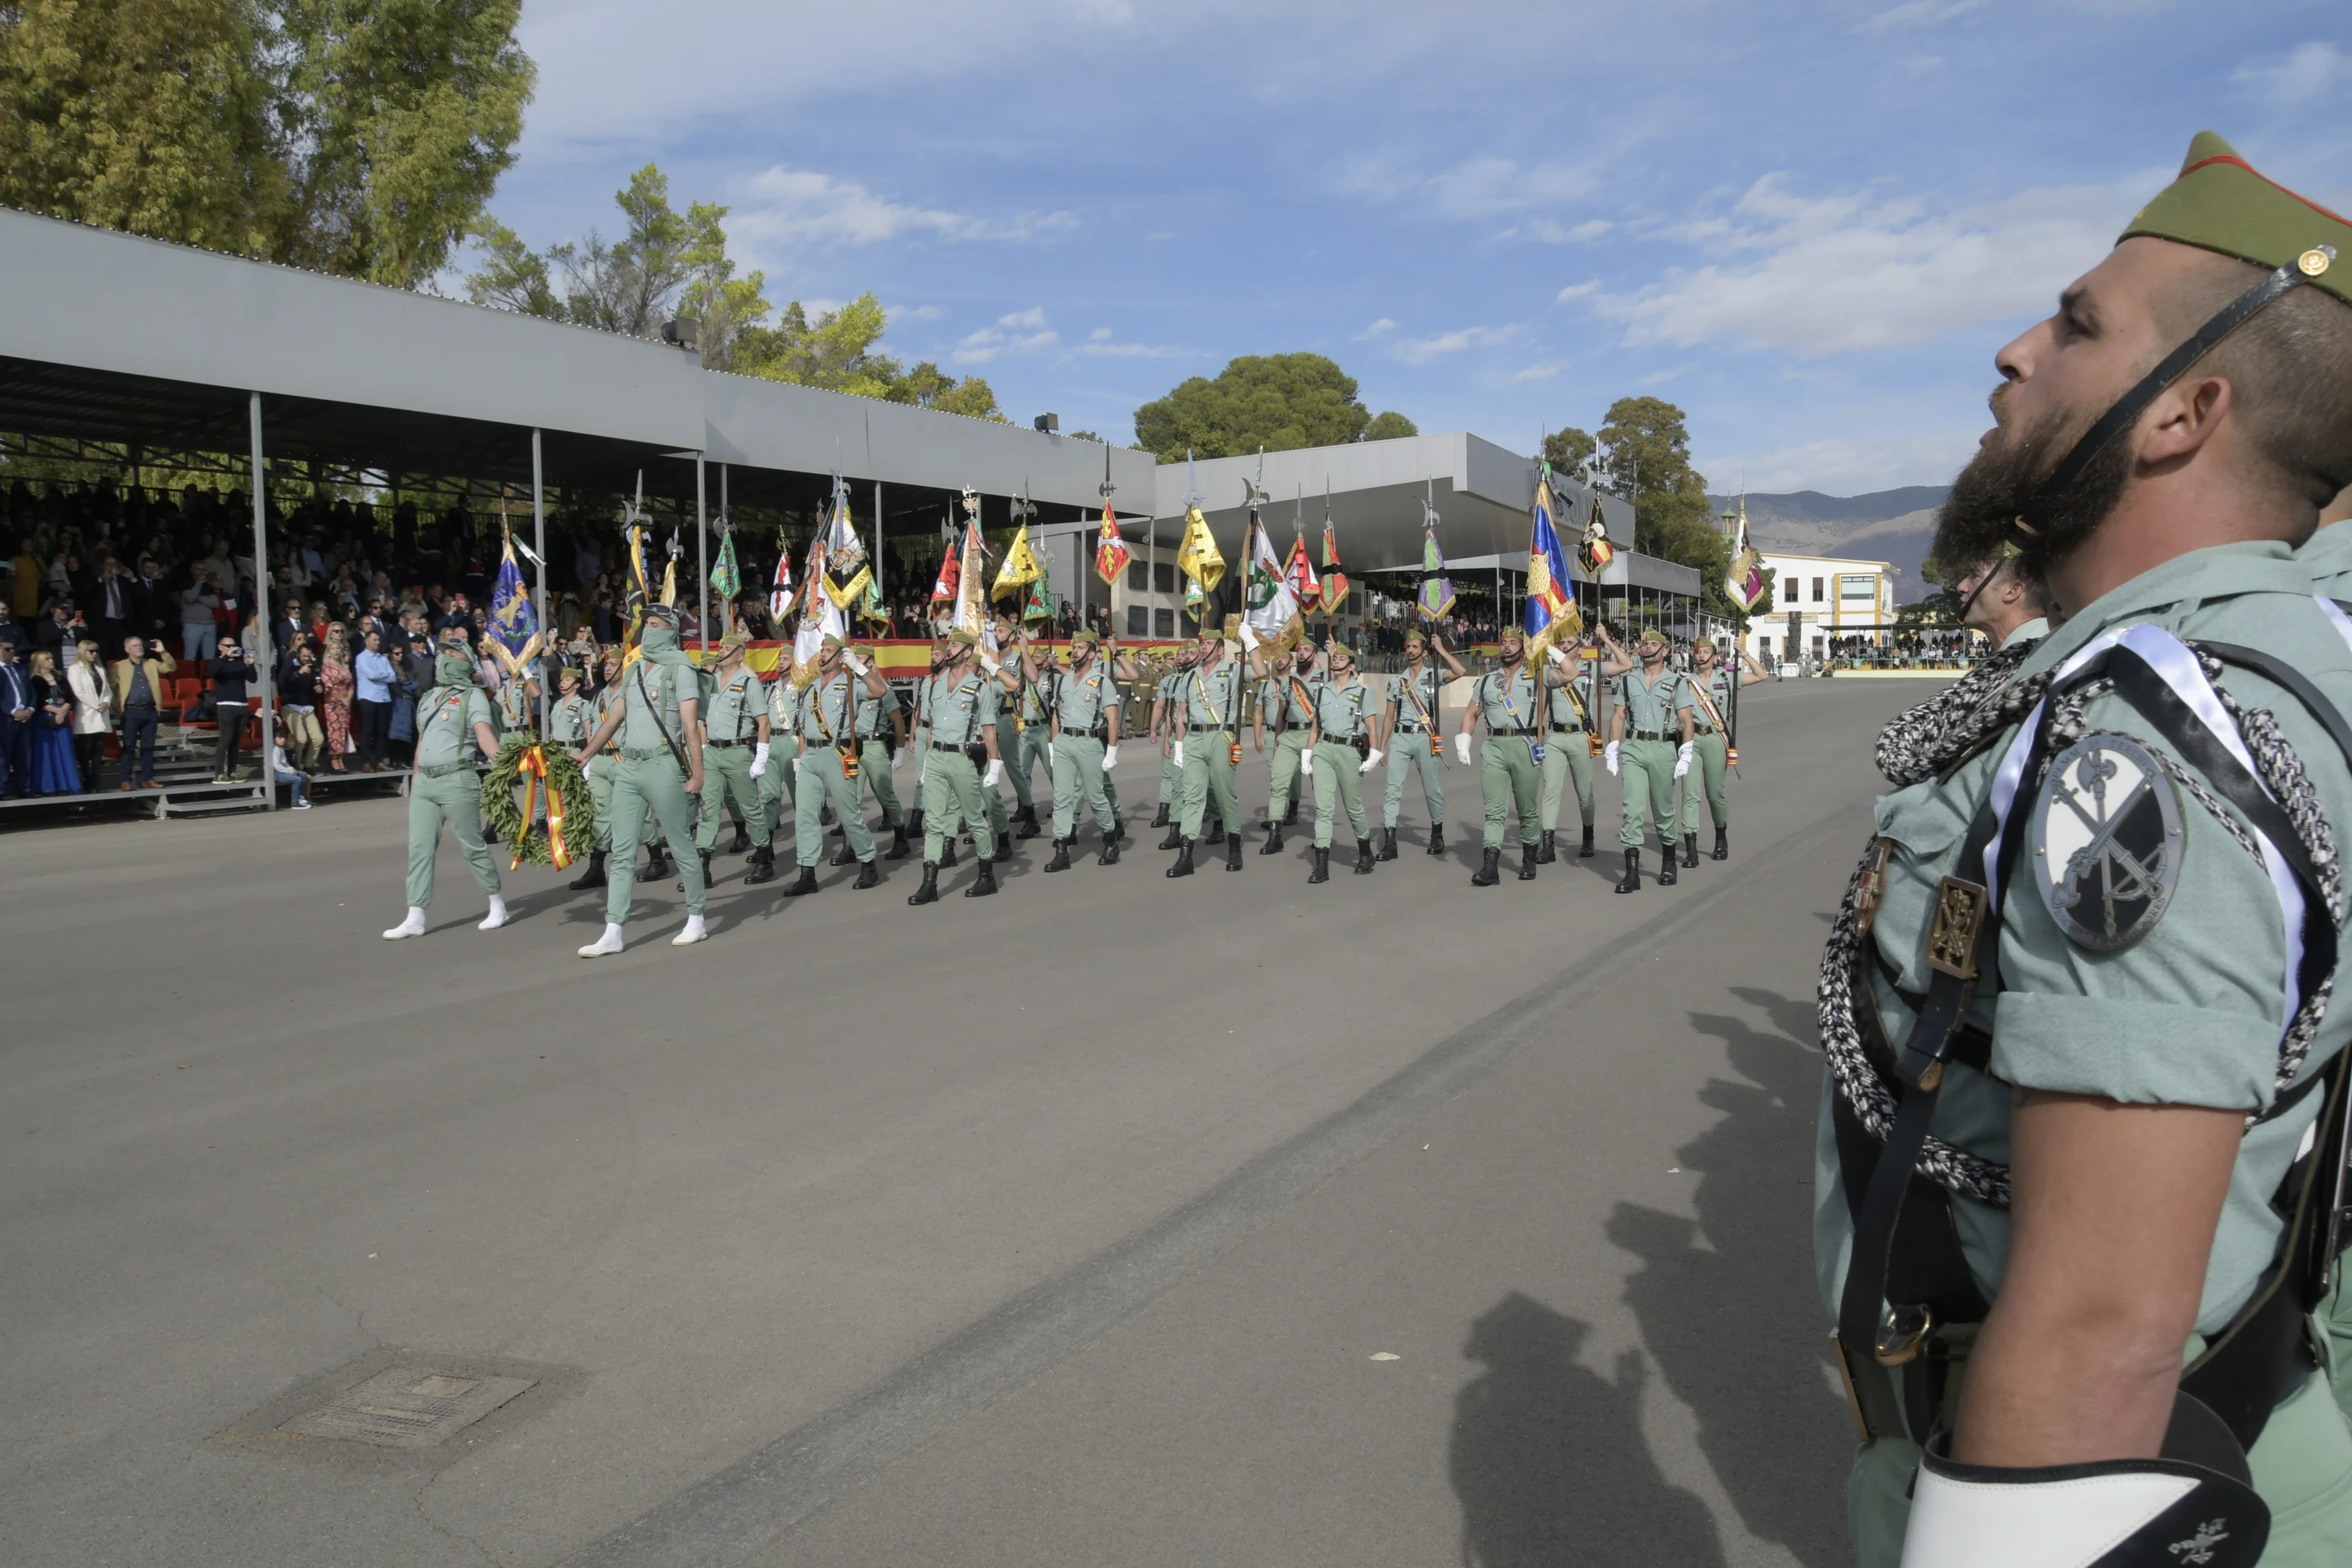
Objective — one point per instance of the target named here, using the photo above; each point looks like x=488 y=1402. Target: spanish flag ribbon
x=533 y=767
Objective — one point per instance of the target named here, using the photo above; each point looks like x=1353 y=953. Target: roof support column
x=726 y=520
x=262 y=662
x=881 y=578
x=538 y=550
x=701 y=559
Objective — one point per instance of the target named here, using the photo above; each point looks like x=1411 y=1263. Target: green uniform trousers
x=1511 y=782
x=727 y=775
x=1172 y=778
x=1288 y=747
x=776 y=786
x=1647 y=769
x=649 y=786
x=1210 y=772
x=600 y=771
x=1336 y=778
x=1707 y=760
x=822 y=780
x=1008 y=750
x=1078 y=773
x=873 y=769
x=1567 y=753
x=454 y=799
x=1408 y=753
x=1034 y=748
x=2302 y=1465
x=951 y=796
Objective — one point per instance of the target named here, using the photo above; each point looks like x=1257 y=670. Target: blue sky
x=1809 y=226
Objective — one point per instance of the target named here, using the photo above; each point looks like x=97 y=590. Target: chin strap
x=2133 y=403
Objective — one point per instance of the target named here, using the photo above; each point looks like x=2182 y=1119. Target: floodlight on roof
x=685 y=331
x=1050 y=423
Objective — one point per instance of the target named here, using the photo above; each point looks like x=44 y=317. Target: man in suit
x=136 y=682
x=16 y=714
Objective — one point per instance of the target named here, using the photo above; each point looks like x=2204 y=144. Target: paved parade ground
x=1114 y=1221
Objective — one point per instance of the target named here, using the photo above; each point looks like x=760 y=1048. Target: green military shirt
x=2328 y=556
x=1035 y=696
x=514 y=700
x=1651 y=707
x=732 y=713
x=1286 y=701
x=649 y=690
x=568 y=721
x=874 y=717
x=1340 y=707
x=2192 y=1012
x=830 y=709
x=957 y=711
x=1506 y=699
x=1717 y=686
x=445 y=725
x=2032 y=631
x=1415 y=694
x=1566 y=705
x=1210 y=696
x=1082 y=700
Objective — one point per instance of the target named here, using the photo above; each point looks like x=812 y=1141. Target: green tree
x=1649 y=457
x=1389 y=425
x=837 y=351
x=1279 y=402
x=1571 y=453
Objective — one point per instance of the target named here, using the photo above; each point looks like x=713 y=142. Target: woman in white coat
x=93 y=717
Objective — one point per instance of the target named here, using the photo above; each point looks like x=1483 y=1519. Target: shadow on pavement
x=1547 y=1460
x=1728 y=1305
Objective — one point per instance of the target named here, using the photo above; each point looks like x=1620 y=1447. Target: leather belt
x=726 y=745
x=443 y=770
x=1647 y=734
x=1568 y=729
x=1702 y=730
x=1526 y=730
x=1288 y=727
x=634 y=755
x=943 y=746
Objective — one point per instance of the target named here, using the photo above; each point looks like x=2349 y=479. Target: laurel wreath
x=503 y=816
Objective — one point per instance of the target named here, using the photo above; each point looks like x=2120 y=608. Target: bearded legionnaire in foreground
x=453 y=719
x=1286 y=702
x=1711 y=685
x=1650 y=728
x=2078 y=1172
x=830 y=762
x=1510 y=699
x=878 y=759
x=660 y=773
x=1084 y=702
x=1568 y=754
x=1207 y=736
x=959 y=722
x=1344 y=745
x=1164 y=704
x=735 y=740
x=1414 y=744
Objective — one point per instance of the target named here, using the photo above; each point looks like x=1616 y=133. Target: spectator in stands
x=299 y=687
x=19 y=709
x=283 y=771
x=232 y=672
x=137 y=680
x=27 y=573
x=92 y=723
x=53 y=753
x=60 y=630
x=115 y=600
x=199 y=606
x=373 y=677
x=335 y=686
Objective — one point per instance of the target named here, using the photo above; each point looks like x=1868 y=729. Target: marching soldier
x=1649 y=729
x=1568 y=754
x=519 y=689
x=1509 y=699
x=959 y=722
x=1164 y=704
x=1711 y=685
x=568 y=724
x=659 y=772
x=1085 y=704
x=1415 y=746
x=601 y=769
x=735 y=740
x=453 y=725
x=2091 y=949
x=830 y=761
x=1014 y=723
x=1343 y=746
x=879 y=758
x=1208 y=718
x=1286 y=701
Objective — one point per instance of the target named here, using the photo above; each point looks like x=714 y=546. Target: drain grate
x=408 y=1407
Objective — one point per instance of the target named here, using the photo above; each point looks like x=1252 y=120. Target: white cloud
x=1577 y=291
x=1584 y=233
x=1020 y=332
x=1841 y=274
x=1380 y=329
x=783 y=207
x=1915 y=14
x=1100 y=348
x=2301 y=75
x=897 y=313
x=1422 y=350
x=1033 y=318
x=1099 y=335
x=1837 y=466
x=1542 y=373
x=1485 y=187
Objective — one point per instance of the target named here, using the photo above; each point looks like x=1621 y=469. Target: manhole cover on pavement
x=407 y=1406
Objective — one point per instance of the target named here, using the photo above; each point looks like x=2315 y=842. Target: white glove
x=1178 y=757
x=897 y=759
x=1683 y=759
x=1307 y=765
x=1371 y=756
x=1608 y=759
x=1461 y=747
x=759 y=759
x=988 y=780
x=1556 y=656
x=856 y=666
x=1249 y=636
x=1110 y=758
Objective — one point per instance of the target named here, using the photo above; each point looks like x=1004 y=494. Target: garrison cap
x=2218 y=203
x=1085 y=635
x=964 y=636
x=864 y=651
x=736 y=638
x=831 y=642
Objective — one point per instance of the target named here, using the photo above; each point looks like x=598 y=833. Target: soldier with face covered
x=454 y=734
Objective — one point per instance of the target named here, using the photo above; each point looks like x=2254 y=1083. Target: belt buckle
x=1960 y=917
x=1873 y=883
x=1902 y=1333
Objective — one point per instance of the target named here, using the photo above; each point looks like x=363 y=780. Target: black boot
x=1489 y=870
x=807 y=882
x=740 y=843
x=897 y=850
x=1633 y=879
x=868 y=876
x=1548 y=853
x=1217 y=832
x=824 y=816
x=1109 y=855
x=1175 y=839
x=594 y=876
x=1273 y=845
x=763 y=865
x=1363 y=857
x=915 y=822
x=1388 y=844
x=1722 y=843
x=1160 y=817
x=1526 y=861
x=841 y=855
x=984 y=883
x=656 y=865
x=705 y=855
x=930 y=892
x=1690 y=849
x=1183 y=866
x=1234 y=852
x=1437 y=838
x=947 y=855
x=1322 y=872
x=1666 y=864
x=1061 y=861
x=1290 y=814
x=1028 y=829
x=1584 y=849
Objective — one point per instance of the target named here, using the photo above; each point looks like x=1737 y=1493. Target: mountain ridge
x=1894 y=526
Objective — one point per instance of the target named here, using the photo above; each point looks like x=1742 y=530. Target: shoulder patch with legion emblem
x=2106 y=842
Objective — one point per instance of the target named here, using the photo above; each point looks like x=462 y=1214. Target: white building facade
x=1817 y=600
